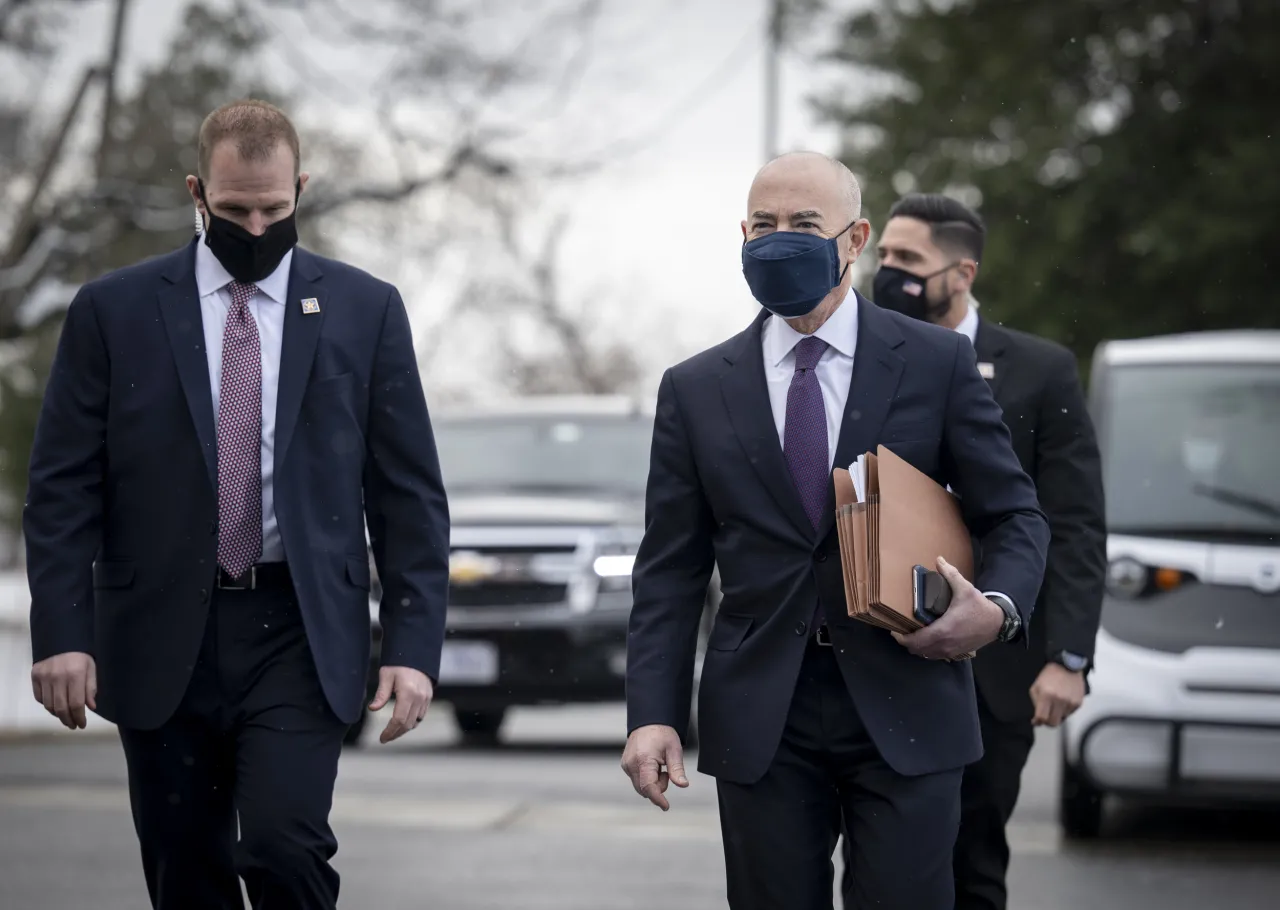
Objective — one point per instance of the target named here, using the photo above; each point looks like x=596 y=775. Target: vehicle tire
x=354 y=732
x=480 y=727
x=1080 y=804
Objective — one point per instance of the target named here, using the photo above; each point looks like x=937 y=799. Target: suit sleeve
x=405 y=503
x=997 y=497
x=62 y=517
x=669 y=580
x=1069 y=479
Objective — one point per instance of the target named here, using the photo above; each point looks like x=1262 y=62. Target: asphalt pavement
x=548 y=820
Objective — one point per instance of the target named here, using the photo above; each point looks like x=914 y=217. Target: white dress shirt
x=968 y=326
x=834 y=369
x=267 y=307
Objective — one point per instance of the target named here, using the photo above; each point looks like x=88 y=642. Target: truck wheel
x=1080 y=804
x=480 y=727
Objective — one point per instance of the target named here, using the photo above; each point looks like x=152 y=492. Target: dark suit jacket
x=719 y=493
x=1037 y=387
x=121 y=513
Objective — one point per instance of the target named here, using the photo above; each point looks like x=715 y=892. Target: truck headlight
x=614 y=566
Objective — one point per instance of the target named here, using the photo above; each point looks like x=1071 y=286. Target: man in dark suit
x=929 y=252
x=805 y=715
x=219 y=424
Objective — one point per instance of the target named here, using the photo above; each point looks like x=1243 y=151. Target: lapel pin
x=985 y=370
x=311 y=305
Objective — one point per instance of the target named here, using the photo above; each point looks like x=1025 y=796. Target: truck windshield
x=1193 y=450
x=546 y=454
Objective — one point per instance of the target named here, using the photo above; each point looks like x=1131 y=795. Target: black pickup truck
x=546 y=499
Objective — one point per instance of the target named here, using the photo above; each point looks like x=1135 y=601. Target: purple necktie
x=805 y=430
x=240 y=438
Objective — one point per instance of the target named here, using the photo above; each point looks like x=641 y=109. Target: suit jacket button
x=822 y=557
x=213 y=528
x=801 y=628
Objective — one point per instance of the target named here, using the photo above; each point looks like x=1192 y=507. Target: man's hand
x=412 y=692
x=1056 y=693
x=653 y=757
x=65 y=684
x=970 y=622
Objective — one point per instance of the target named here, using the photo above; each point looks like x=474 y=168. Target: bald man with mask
x=806 y=716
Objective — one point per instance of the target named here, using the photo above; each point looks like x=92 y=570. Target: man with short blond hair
x=220 y=424
x=805 y=716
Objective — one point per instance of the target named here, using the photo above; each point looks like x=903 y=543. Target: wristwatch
x=1076 y=663
x=1012 y=619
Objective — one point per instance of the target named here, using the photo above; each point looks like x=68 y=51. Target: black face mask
x=249 y=257
x=905 y=293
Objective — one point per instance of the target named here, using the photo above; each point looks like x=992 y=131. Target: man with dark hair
x=220 y=424
x=929 y=254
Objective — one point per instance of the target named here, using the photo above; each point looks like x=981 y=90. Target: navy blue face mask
x=790 y=272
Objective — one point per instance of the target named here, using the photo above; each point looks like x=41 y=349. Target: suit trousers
x=253 y=745
x=989 y=795
x=780 y=832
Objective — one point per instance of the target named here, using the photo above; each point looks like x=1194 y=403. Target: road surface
x=550 y=821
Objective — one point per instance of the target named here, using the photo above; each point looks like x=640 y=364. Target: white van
x=1185 y=697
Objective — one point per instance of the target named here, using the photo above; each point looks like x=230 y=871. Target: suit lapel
x=184 y=323
x=877 y=369
x=746 y=396
x=298 y=348
x=989 y=346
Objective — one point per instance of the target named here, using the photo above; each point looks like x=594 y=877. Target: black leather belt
x=264 y=575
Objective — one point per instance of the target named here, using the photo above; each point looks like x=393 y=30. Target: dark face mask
x=790 y=272
x=249 y=257
x=905 y=293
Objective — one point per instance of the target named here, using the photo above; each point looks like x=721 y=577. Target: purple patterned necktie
x=240 y=438
x=805 y=430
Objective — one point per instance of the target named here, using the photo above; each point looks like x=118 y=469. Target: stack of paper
x=891 y=517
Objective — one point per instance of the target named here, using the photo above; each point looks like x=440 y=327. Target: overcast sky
x=656 y=236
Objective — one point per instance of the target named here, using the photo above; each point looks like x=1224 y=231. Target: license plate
x=469 y=663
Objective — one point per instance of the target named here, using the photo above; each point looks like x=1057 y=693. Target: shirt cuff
x=1001 y=594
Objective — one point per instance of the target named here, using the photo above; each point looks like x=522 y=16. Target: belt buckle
x=823 y=637
x=234 y=584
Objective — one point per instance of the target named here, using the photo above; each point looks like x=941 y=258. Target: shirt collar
x=840 y=331
x=969 y=324
x=212 y=276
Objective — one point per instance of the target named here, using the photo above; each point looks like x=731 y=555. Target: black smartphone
x=931 y=594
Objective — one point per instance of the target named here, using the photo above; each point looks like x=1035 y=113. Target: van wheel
x=480 y=728
x=1080 y=804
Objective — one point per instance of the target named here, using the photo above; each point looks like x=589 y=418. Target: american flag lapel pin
x=311 y=305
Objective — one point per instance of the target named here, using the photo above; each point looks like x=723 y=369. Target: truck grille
x=506 y=595
x=502 y=574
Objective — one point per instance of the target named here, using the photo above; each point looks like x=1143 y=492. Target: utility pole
x=772 y=54
x=110 y=73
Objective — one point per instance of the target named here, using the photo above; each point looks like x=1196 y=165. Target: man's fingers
x=76 y=693
x=951 y=574
x=650 y=782
x=386 y=683
x=675 y=768
x=62 y=701
x=402 y=719
x=91 y=687
x=652 y=791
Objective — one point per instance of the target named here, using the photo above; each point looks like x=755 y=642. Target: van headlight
x=1129 y=579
